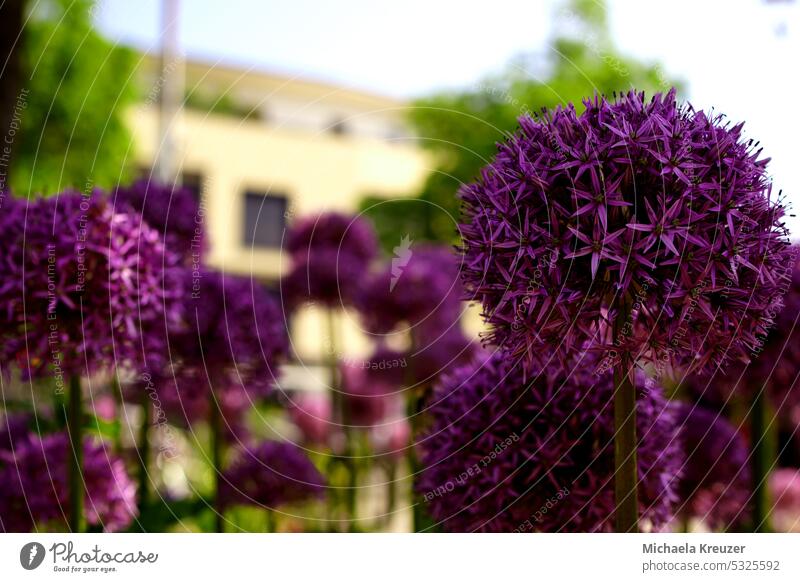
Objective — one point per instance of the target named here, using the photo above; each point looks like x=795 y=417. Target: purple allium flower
x=774 y=365
x=232 y=340
x=439 y=351
x=269 y=475
x=387 y=366
x=778 y=358
x=330 y=253
x=342 y=233
x=632 y=211
x=784 y=487
x=325 y=276
x=235 y=333
x=508 y=451
x=421 y=285
x=775 y=361
x=35 y=489
x=312 y=413
x=173 y=211
x=367 y=402
x=14 y=431
x=83 y=286
x=715 y=482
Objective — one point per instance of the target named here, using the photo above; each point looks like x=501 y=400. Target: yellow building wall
x=317 y=171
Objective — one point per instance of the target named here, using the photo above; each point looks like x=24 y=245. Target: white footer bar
x=410 y=557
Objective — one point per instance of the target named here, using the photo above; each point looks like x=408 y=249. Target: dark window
x=193 y=182
x=338 y=127
x=264 y=219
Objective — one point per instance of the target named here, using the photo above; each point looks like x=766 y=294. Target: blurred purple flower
x=344 y=234
x=647 y=204
x=387 y=366
x=367 y=402
x=775 y=363
x=234 y=333
x=269 y=475
x=173 y=211
x=715 y=482
x=35 y=489
x=232 y=340
x=325 y=276
x=426 y=288
x=439 y=351
x=14 y=430
x=330 y=255
x=84 y=287
x=507 y=451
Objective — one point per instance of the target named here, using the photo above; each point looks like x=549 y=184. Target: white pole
x=172 y=83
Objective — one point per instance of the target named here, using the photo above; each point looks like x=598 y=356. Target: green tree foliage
x=462 y=128
x=73 y=132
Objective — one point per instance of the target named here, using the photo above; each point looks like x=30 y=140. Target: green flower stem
x=413 y=401
x=143 y=453
x=269 y=521
x=116 y=392
x=391 y=493
x=341 y=417
x=762 y=459
x=75 y=455
x=413 y=413
x=625 y=467
x=215 y=426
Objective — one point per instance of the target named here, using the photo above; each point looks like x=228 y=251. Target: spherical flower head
x=227 y=347
x=85 y=286
x=775 y=361
x=324 y=276
x=312 y=413
x=34 y=481
x=438 y=351
x=715 y=483
x=234 y=333
x=638 y=225
x=784 y=487
x=367 y=402
x=774 y=365
x=509 y=450
x=387 y=366
x=173 y=211
x=269 y=475
x=342 y=233
x=421 y=284
x=14 y=431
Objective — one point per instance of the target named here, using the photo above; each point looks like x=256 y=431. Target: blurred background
x=268 y=111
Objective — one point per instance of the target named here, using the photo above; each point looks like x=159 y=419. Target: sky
x=738 y=56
